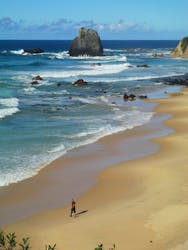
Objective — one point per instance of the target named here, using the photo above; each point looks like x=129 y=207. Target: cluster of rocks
x=140 y=66
x=175 y=80
x=36 y=79
x=133 y=97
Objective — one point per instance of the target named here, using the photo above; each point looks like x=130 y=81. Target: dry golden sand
x=138 y=205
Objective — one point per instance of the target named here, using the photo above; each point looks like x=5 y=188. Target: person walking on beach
x=73 y=207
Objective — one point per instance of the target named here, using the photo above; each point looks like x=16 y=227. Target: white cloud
x=66 y=29
x=7 y=24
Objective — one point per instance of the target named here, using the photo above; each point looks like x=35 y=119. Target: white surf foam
x=85 y=100
x=59 y=55
x=97 y=100
x=133 y=78
x=104 y=99
x=114 y=50
x=28 y=169
x=60 y=148
x=87 y=71
x=9 y=106
x=22 y=77
x=17 y=52
x=128 y=121
x=30 y=90
x=7 y=112
x=9 y=102
x=37 y=162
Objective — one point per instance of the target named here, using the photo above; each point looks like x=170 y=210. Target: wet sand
x=136 y=203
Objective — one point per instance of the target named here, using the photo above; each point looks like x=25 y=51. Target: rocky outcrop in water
x=173 y=80
x=33 y=51
x=80 y=82
x=130 y=97
x=157 y=55
x=86 y=43
x=37 y=78
x=133 y=97
x=142 y=66
x=182 y=48
x=177 y=80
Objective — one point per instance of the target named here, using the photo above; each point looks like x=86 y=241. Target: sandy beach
x=138 y=204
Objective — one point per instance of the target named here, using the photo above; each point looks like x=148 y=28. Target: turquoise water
x=42 y=122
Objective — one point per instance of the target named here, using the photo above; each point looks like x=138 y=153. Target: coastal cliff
x=182 y=48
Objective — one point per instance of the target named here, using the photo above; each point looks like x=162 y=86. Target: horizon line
x=101 y=39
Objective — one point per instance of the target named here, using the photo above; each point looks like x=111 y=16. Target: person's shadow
x=81 y=212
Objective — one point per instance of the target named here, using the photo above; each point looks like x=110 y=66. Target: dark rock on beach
x=33 y=51
x=86 y=43
x=37 y=78
x=80 y=82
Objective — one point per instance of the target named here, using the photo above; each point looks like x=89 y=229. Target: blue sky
x=113 y=19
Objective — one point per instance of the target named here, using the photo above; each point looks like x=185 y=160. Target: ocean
x=39 y=123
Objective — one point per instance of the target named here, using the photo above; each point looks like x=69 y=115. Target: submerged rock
x=33 y=51
x=142 y=66
x=34 y=83
x=142 y=96
x=157 y=55
x=96 y=64
x=182 y=48
x=86 y=43
x=173 y=80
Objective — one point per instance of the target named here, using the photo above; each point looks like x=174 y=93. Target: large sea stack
x=87 y=42
x=182 y=49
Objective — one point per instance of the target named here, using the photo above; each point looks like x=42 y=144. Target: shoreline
x=81 y=165
x=137 y=204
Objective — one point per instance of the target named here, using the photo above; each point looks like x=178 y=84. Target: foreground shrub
x=101 y=247
x=9 y=242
